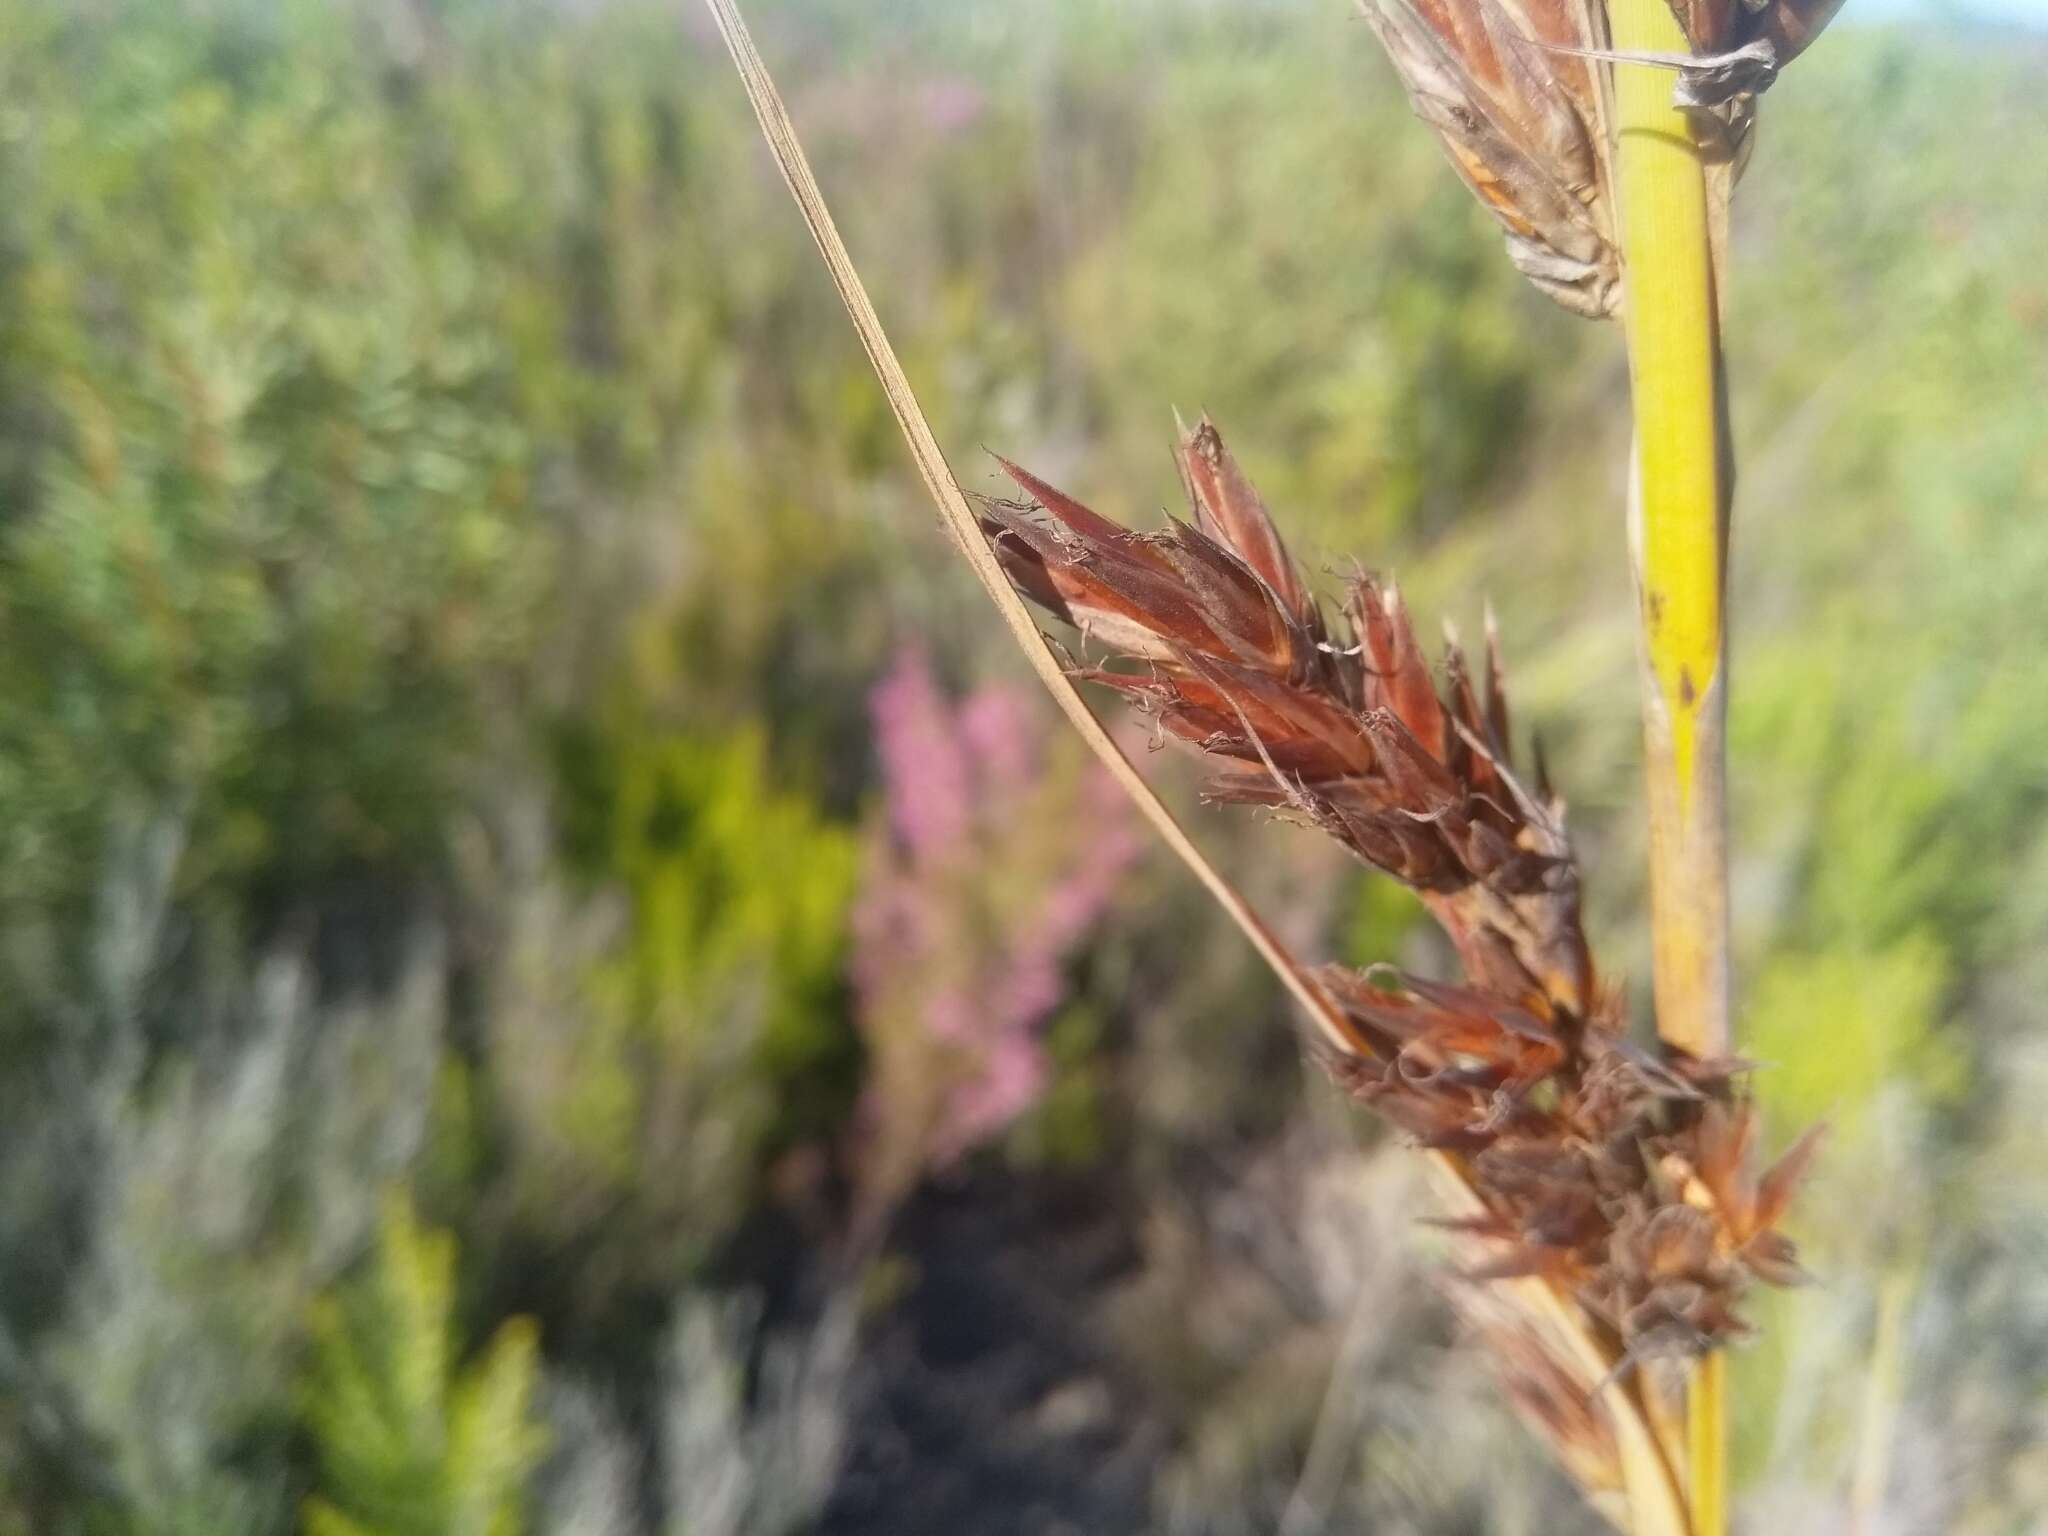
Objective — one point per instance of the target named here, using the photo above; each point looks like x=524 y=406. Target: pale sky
x=2030 y=12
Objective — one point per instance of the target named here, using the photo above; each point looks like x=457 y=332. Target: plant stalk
x=1678 y=528
x=1706 y=1436
x=1652 y=1491
x=780 y=135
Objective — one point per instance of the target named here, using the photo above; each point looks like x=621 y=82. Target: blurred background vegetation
x=538 y=989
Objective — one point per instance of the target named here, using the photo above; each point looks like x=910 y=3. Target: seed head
x=1624 y=1178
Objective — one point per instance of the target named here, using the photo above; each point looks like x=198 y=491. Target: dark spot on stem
x=1686 y=690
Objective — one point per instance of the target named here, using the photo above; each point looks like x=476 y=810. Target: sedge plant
x=1608 y=1197
x=1612 y=182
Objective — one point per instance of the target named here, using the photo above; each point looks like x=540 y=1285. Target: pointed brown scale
x=1145 y=691
x=1654 y=1076
x=1411 y=691
x=1459 y=694
x=1371 y=797
x=1489 y=958
x=1454 y=752
x=1403 y=847
x=1024 y=566
x=1396 y=677
x=1405 y=850
x=1555 y=1403
x=1131 y=584
x=1350 y=986
x=1107 y=589
x=1467 y=1002
x=1423 y=788
x=1490 y=856
x=1562 y=23
x=1314 y=735
x=1360 y=1076
x=1241 y=781
x=1497 y=719
x=1183 y=706
x=1794 y=24
x=1253 y=784
x=1209 y=731
x=1239 y=606
x=1439 y=1055
x=1775 y=1189
x=1047 y=574
x=1530 y=1167
x=1725 y=1139
x=1560 y=957
x=1231 y=511
x=1677 y=1241
x=1085 y=524
x=1547 y=115
x=1366 y=608
x=1773 y=1259
x=1546 y=790
x=1571 y=1220
x=1402 y=1022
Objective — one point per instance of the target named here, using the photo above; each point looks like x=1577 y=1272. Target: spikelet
x=1525 y=125
x=1517 y=93
x=1778 y=29
x=1625 y=1180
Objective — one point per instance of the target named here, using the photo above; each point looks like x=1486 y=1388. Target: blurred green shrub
x=644 y=1077
x=1306 y=275
x=388 y=387
x=412 y=1441
x=733 y=881
x=269 y=532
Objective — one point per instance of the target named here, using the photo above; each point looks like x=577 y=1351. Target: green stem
x=1678 y=526
x=1706 y=1435
x=1674 y=363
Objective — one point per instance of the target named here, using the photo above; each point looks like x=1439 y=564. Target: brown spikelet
x=1549 y=1399
x=1624 y=1179
x=1783 y=27
x=1517 y=93
x=1524 y=124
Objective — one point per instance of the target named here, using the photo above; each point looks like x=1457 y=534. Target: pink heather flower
x=924 y=763
x=1000 y=850
x=1000 y=731
x=951 y=104
x=1012 y=1076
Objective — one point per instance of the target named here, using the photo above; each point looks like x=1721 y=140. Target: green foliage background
x=447 y=533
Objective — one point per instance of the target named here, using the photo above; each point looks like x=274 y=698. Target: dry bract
x=1784 y=27
x=1516 y=92
x=1524 y=124
x=1624 y=1179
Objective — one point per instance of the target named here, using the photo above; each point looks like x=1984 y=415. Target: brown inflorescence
x=1524 y=122
x=1625 y=1179
x=1516 y=92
